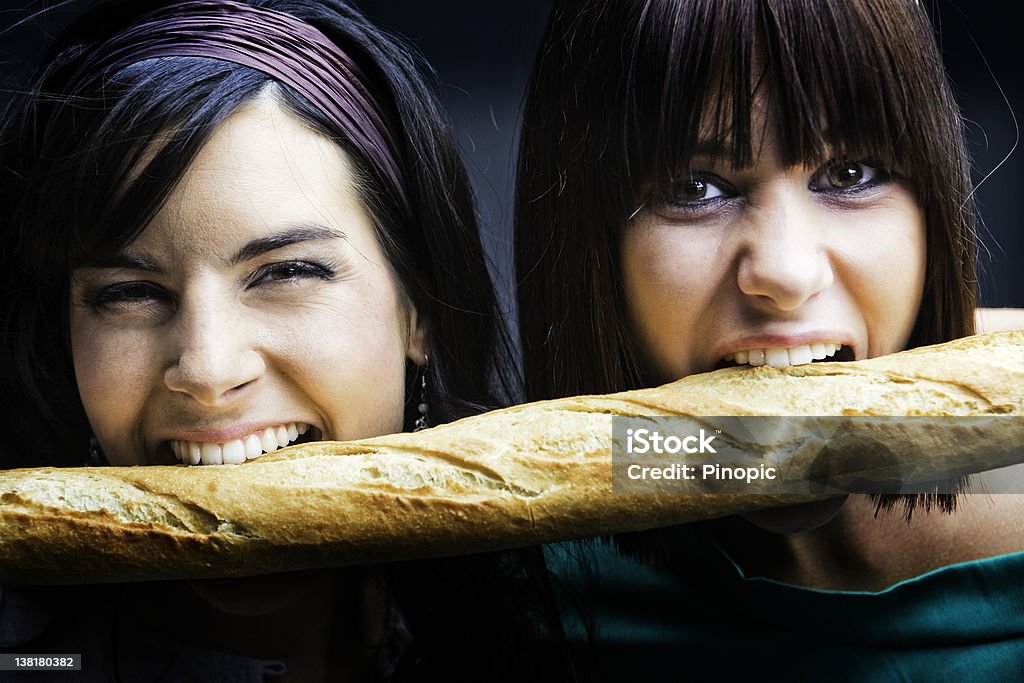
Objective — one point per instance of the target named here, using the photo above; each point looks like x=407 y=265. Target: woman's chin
x=793 y=519
x=256 y=595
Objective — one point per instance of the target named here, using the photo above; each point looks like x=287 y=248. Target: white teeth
x=778 y=357
x=211 y=454
x=253 y=446
x=238 y=450
x=268 y=438
x=800 y=355
x=234 y=452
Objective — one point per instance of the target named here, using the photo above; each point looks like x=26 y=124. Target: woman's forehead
x=263 y=166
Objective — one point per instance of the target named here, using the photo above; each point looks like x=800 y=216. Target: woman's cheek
x=347 y=356
x=664 y=286
x=889 y=272
x=113 y=373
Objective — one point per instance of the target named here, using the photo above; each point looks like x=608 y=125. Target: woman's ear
x=419 y=331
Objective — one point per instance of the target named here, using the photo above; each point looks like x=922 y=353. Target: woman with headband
x=705 y=184
x=229 y=227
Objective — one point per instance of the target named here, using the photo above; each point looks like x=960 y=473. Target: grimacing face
x=256 y=309
x=774 y=265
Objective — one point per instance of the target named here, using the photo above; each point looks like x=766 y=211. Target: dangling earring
x=96 y=456
x=422 y=422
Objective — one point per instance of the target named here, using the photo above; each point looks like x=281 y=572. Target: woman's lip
x=763 y=341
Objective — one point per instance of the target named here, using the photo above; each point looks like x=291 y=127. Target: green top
x=964 y=622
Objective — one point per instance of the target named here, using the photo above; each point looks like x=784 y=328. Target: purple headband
x=275 y=43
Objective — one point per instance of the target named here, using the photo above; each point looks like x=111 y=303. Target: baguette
x=528 y=474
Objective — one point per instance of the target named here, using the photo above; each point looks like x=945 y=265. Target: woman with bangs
x=708 y=183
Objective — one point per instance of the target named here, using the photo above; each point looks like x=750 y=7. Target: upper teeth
x=778 y=357
x=238 y=450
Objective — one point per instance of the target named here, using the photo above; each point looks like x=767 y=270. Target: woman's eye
x=846 y=175
x=127 y=294
x=696 y=190
x=292 y=271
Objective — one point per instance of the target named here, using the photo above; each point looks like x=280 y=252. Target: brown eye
x=126 y=294
x=293 y=272
x=845 y=175
x=697 y=190
x=691 y=190
x=288 y=271
x=839 y=176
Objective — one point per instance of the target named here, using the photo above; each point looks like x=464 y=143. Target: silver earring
x=423 y=422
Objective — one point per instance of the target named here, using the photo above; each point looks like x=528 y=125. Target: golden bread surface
x=527 y=474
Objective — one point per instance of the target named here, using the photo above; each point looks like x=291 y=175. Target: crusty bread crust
x=528 y=474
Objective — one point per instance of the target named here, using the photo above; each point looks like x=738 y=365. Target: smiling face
x=772 y=265
x=257 y=305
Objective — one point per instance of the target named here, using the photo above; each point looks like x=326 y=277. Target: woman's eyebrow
x=303 y=233
x=121 y=260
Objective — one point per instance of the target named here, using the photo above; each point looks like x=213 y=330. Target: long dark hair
x=617 y=98
x=72 y=191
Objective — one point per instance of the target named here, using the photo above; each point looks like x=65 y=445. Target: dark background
x=482 y=52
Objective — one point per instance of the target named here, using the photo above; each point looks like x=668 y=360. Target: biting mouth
x=782 y=356
x=248 y=447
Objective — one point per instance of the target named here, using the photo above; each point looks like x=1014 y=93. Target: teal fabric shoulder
x=633 y=621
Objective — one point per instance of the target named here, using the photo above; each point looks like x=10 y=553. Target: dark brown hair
x=76 y=133
x=621 y=93
x=69 y=149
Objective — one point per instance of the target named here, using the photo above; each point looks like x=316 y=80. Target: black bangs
x=625 y=93
x=703 y=72
x=137 y=151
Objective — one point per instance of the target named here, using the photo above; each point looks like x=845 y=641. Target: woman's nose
x=784 y=261
x=213 y=352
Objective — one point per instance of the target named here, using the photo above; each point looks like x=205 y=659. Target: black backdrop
x=482 y=52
